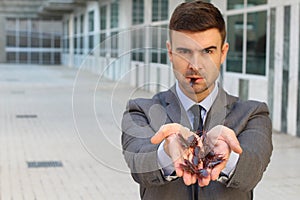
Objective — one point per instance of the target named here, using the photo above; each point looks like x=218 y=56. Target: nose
x=196 y=62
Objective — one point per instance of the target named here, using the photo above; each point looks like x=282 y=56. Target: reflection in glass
x=159 y=10
x=114 y=15
x=137 y=44
x=235 y=39
x=256 y=43
x=236 y=4
x=91 y=21
x=256 y=2
x=137 y=12
x=103 y=17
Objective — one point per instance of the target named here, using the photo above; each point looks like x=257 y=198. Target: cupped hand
x=173 y=147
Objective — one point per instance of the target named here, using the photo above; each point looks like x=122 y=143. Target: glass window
x=75 y=44
x=102 y=44
x=23 y=57
x=207 y=1
x=81 y=45
x=114 y=44
x=91 y=43
x=160 y=10
x=159 y=38
x=235 y=4
x=137 y=12
x=35 y=40
x=11 y=57
x=23 y=39
x=138 y=44
x=11 y=40
x=57 y=41
x=81 y=23
x=35 y=57
x=46 y=41
x=235 y=40
x=256 y=43
x=57 y=59
x=103 y=10
x=114 y=15
x=46 y=58
x=75 y=25
x=256 y=2
x=91 y=21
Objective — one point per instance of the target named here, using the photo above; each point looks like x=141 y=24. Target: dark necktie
x=198 y=127
x=198 y=121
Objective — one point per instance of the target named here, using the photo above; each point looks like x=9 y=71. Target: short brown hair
x=197 y=16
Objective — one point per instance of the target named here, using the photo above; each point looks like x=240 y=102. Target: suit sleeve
x=140 y=154
x=255 y=137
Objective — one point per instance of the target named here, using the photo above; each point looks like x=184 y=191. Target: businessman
x=241 y=131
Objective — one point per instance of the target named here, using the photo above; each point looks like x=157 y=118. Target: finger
x=187 y=178
x=215 y=172
x=231 y=139
x=226 y=134
x=194 y=179
x=204 y=181
x=165 y=131
x=178 y=169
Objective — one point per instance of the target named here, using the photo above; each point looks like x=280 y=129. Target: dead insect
x=202 y=157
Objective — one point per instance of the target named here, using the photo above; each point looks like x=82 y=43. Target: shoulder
x=159 y=98
x=251 y=106
x=243 y=112
x=236 y=104
x=158 y=101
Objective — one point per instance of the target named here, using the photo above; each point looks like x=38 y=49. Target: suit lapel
x=219 y=110
x=175 y=110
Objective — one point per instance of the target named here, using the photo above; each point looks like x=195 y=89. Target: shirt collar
x=188 y=103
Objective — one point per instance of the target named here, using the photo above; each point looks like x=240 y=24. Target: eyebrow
x=210 y=47
x=207 y=48
x=182 y=48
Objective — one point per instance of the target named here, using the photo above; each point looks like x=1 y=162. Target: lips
x=194 y=79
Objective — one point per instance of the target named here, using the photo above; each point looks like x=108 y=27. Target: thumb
x=165 y=131
x=230 y=138
x=227 y=135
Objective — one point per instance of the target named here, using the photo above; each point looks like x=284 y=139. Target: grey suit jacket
x=249 y=120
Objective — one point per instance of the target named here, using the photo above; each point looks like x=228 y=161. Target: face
x=196 y=58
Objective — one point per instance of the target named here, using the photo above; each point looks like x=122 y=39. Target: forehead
x=201 y=39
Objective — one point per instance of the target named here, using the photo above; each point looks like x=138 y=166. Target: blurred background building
x=124 y=40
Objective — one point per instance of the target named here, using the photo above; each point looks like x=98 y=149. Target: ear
x=224 y=52
x=169 y=47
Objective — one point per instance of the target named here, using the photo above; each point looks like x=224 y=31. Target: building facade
x=124 y=40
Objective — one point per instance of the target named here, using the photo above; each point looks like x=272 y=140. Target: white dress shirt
x=165 y=162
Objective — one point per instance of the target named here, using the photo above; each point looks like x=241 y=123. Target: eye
x=207 y=51
x=184 y=51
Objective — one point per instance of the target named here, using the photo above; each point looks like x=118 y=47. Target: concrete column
x=293 y=75
x=278 y=68
x=2 y=40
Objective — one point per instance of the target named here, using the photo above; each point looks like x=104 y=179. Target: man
x=241 y=131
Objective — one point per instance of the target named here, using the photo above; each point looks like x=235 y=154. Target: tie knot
x=198 y=121
x=196 y=110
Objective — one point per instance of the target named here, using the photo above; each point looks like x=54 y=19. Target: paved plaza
x=60 y=139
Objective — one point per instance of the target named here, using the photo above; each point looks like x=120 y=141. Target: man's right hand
x=174 y=149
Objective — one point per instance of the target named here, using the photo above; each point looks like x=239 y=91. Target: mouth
x=194 y=80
